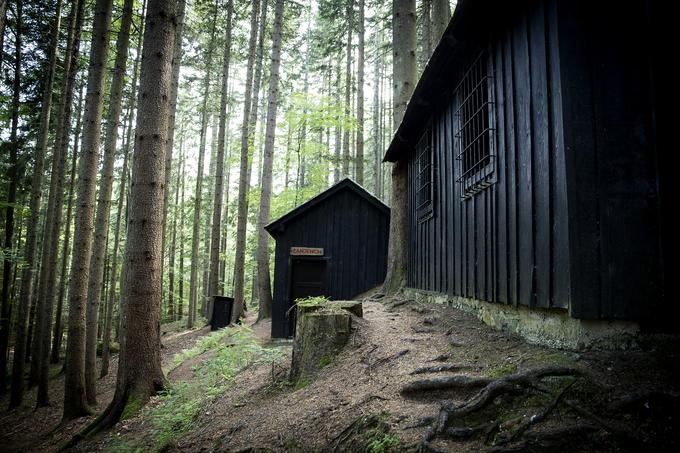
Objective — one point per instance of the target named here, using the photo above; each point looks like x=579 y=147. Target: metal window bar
x=424 y=174
x=473 y=128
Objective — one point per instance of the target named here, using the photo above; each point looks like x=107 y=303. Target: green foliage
x=502 y=370
x=324 y=361
x=181 y=405
x=310 y=302
x=384 y=444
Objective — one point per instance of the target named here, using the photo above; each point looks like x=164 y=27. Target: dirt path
x=265 y=412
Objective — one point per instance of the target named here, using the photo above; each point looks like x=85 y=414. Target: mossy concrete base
x=549 y=327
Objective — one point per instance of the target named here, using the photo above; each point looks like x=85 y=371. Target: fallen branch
x=438 y=369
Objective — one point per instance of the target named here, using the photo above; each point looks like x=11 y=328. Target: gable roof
x=345 y=184
x=471 y=19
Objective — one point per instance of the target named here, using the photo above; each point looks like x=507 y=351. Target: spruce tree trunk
x=377 y=149
x=97 y=261
x=176 y=64
x=75 y=402
x=441 y=14
x=264 y=279
x=195 y=238
x=180 y=283
x=207 y=217
x=348 y=90
x=29 y=273
x=173 y=242
x=139 y=369
x=359 y=168
x=132 y=102
x=58 y=333
x=215 y=239
x=425 y=33
x=338 y=130
x=404 y=73
x=13 y=176
x=244 y=173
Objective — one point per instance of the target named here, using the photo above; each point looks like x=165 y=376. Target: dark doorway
x=308 y=279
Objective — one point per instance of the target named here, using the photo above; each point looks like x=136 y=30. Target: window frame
x=477 y=79
x=425 y=175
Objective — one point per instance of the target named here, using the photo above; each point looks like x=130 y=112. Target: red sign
x=306 y=251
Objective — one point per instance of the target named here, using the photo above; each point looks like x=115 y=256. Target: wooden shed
x=535 y=166
x=334 y=245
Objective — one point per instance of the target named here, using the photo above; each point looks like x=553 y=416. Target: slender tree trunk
x=75 y=402
x=346 y=156
x=29 y=273
x=195 y=239
x=180 y=283
x=264 y=279
x=244 y=175
x=426 y=34
x=404 y=70
x=173 y=243
x=207 y=217
x=58 y=333
x=360 y=99
x=176 y=63
x=377 y=149
x=3 y=14
x=139 y=369
x=13 y=176
x=338 y=130
x=94 y=291
x=106 y=341
x=441 y=14
x=213 y=284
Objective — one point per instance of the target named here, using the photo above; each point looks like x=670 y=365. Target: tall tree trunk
x=264 y=280
x=48 y=270
x=215 y=239
x=425 y=33
x=244 y=173
x=346 y=156
x=359 y=168
x=174 y=90
x=195 y=238
x=13 y=176
x=29 y=273
x=176 y=64
x=106 y=341
x=207 y=216
x=441 y=14
x=94 y=291
x=377 y=149
x=404 y=70
x=338 y=130
x=173 y=242
x=139 y=369
x=75 y=403
x=58 y=333
x=3 y=14
x=180 y=283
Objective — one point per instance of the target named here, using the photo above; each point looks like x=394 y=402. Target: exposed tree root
x=450 y=414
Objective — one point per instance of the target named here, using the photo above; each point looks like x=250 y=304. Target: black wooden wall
x=353 y=232
x=570 y=222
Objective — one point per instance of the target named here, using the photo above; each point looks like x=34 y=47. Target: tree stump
x=320 y=333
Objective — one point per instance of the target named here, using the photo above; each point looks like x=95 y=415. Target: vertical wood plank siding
x=503 y=244
x=572 y=221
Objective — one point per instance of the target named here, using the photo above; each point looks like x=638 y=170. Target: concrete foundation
x=549 y=327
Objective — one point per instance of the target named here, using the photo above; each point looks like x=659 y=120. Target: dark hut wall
x=508 y=243
x=352 y=233
x=572 y=221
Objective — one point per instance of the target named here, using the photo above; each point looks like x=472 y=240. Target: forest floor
x=369 y=399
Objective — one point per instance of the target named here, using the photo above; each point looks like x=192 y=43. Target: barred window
x=424 y=170
x=474 y=131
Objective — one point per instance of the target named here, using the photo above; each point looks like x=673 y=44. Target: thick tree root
x=514 y=384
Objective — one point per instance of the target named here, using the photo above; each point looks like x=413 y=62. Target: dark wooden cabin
x=536 y=171
x=334 y=245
